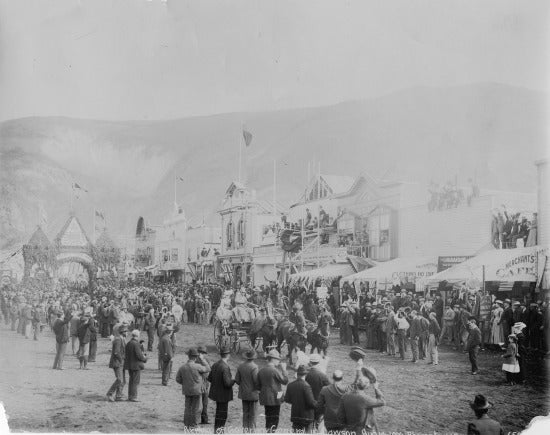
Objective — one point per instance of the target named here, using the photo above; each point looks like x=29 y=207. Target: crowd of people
x=513 y=230
x=395 y=324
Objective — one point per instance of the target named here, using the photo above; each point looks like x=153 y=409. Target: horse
x=268 y=334
x=294 y=340
x=317 y=339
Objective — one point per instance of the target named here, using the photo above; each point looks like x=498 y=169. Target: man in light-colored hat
x=329 y=401
x=247 y=380
x=166 y=353
x=271 y=378
x=190 y=377
x=134 y=362
x=316 y=379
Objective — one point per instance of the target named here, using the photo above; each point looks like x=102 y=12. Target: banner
x=447 y=262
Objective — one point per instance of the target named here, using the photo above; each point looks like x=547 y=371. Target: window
x=230 y=235
x=241 y=235
x=175 y=255
x=165 y=255
x=378 y=230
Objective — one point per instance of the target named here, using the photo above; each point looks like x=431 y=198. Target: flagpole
x=274 y=215
x=95 y=236
x=240 y=152
x=318 y=215
x=175 y=191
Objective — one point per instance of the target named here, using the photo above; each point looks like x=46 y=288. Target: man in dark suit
x=507 y=318
x=61 y=330
x=356 y=410
x=134 y=362
x=316 y=379
x=221 y=389
x=300 y=396
x=190 y=376
x=483 y=424
x=149 y=326
x=270 y=381
x=166 y=353
x=473 y=343
x=116 y=363
x=247 y=379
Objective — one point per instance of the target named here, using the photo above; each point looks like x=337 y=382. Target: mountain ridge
x=490 y=131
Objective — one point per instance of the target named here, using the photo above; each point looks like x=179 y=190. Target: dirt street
x=420 y=397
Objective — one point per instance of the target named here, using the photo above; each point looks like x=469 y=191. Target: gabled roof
x=39 y=238
x=235 y=185
x=339 y=184
x=72 y=234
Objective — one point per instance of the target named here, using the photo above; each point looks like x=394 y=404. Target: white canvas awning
x=395 y=272
x=520 y=264
x=328 y=272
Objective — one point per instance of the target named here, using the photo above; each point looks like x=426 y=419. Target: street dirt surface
x=419 y=397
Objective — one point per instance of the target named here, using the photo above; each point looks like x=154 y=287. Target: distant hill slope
x=493 y=131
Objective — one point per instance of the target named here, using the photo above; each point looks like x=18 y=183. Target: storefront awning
x=520 y=264
x=399 y=271
x=329 y=272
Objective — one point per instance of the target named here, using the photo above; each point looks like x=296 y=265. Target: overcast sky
x=139 y=59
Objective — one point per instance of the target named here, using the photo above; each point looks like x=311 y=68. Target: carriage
x=234 y=334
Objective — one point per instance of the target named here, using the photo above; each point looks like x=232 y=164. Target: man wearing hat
x=221 y=389
x=149 y=326
x=166 y=353
x=61 y=331
x=84 y=336
x=271 y=378
x=507 y=318
x=190 y=378
x=116 y=363
x=447 y=329
x=202 y=360
x=483 y=424
x=247 y=380
x=316 y=378
x=134 y=362
x=356 y=409
x=473 y=343
x=300 y=396
x=329 y=401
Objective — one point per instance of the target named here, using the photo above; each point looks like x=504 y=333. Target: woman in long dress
x=497 y=333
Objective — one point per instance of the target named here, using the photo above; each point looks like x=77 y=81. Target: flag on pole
x=42 y=216
x=100 y=223
x=247 y=137
x=180 y=178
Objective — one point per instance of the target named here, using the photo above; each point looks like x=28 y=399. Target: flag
x=247 y=137
x=77 y=186
x=42 y=216
x=180 y=178
x=100 y=223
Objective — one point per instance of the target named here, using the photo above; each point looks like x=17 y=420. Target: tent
x=520 y=264
x=326 y=273
x=398 y=271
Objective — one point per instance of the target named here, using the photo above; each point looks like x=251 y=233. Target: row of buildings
x=344 y=218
